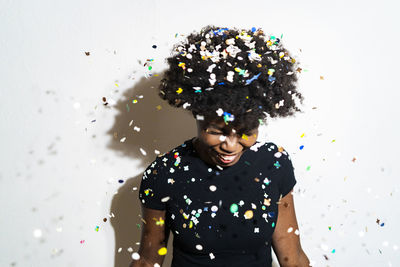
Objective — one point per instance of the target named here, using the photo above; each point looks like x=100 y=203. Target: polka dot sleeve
x=152 y=191
x=287 y=178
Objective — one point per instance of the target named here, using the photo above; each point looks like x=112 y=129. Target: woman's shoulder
x=269 y=148
x=171 y=157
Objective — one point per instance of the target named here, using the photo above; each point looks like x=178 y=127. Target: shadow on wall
x=162 y=128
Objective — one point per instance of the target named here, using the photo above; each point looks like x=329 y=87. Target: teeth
x=228 y=158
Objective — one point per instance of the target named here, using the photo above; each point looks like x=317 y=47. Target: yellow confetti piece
x=159 y=107
x=160 y=221
x=134 y=101
x=333 y=141
x=248 y=214
x=302 y=135
x=245 y=137
x=116 y=85
x=182 y=65
x=280 y=149
x=191 y=224
x=259 y=66
x=179 y=90
x=271 y=71
x=162 y=251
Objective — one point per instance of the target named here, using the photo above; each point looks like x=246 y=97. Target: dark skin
x=215 y=138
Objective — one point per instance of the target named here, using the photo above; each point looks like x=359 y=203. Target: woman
x=226 y=197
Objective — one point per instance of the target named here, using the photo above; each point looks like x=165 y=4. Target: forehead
x=219 y=123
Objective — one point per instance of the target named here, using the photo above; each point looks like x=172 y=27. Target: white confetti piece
x=297 y=232
x=277 y=154
x=214 y=208
x=290 y=229
x=143 y=151
x=165 y=199
x=130 y=250
x=213 y=188
x=77 y=105
x=134 y=188
x=199 y=247
x=200 y=117
x=156 y=152
x=156 y=265
x=37 y=233
x=119 y=250
x=186 y=105
x=212 y=256
x=135 y=256
x=130 y=124
x=222 y=138
x=122 y=139
x=137 y=129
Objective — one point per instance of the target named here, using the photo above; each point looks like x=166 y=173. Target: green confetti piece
x=308 y=168
x=273 y=224
x=150 y=67
x=127 y=107
x=234 y=208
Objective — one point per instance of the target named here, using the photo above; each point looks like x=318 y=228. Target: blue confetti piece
x=255 y=77
x=271 y=78
x=277 y=165
x=253 y=29
x=120 y=181
x=301 y=147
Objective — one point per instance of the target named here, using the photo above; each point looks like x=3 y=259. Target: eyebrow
x=215 y=126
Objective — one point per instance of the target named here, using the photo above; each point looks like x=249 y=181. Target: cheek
x=210 y=140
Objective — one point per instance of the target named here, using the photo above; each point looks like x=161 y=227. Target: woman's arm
x=286 y=244
x=154 y=237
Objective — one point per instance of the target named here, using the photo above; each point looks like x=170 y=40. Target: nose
x=229 y=145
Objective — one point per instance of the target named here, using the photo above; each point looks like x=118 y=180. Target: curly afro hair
x=239 y=75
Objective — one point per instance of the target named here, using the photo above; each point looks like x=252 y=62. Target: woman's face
x=221 y=144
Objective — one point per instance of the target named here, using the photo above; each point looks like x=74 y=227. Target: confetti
x=82 y=241
x=143 y=152
x=179 y=91
x=234 y=208
x=199 y=247
x=87 y=53
x=301 y=147
x=248 y=214
x=37 y=233
x=122 y=139
x=162 y=251
x=135 y=256
x=213 y=188
x=154 y=46
x=97 y=229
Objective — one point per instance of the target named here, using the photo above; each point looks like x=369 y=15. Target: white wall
x=60 y=168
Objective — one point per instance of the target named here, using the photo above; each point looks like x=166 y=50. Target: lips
x=227 y=158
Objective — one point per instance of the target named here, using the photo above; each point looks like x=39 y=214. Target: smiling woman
x=225 y=196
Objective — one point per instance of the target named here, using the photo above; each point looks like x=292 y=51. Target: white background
x=61 y=155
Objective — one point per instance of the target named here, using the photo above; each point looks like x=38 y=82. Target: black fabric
x=179 y=182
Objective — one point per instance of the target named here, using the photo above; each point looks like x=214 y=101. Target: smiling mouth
x=227 y=159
